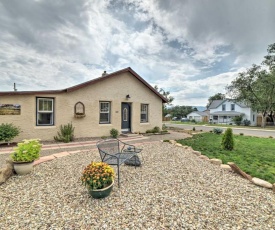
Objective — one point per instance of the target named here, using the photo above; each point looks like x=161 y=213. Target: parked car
x=174 y=119
x=184 y=119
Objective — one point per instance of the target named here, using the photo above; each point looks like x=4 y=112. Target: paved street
x=246 y=131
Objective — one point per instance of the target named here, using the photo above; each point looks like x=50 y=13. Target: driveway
x=246 y=131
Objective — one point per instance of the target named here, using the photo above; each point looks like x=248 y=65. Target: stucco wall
x=112 y=89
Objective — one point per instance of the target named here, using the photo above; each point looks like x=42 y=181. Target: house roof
x=203 y=114
x=226 y=113
x=216 y=103
x=79 y=86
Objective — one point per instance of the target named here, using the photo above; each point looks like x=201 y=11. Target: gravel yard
x=173 y=189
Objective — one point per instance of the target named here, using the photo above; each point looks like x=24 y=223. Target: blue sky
x=191 y=48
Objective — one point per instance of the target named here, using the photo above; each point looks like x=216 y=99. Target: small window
x=232 y=107
x=144 y=113
x=223 y=107
x=125 y=114
x=44 y=111
x=253 y=117
x=104 y=112
x=79 y=108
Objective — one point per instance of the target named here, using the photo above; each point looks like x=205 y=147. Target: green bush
x=217 y=131
x=114 y=133
x=194 y=129
x=156 y=129
x=8 y=131
x=246 y=122
x=66 y=133
x=27 y=151
x=227 y=140
x=164 y=127
x=238 y=119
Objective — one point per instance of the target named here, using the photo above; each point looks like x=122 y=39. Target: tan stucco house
x=121 y=100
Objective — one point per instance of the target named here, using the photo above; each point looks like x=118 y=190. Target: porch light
x=128 y=96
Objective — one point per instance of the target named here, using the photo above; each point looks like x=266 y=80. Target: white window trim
x=108 y=112
x=44 y=111
x=146 y=112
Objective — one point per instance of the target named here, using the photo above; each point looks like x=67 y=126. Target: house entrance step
x=130 y=135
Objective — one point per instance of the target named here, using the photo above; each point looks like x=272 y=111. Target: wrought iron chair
x=116 y=152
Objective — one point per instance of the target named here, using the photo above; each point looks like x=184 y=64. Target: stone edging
x=230 y=166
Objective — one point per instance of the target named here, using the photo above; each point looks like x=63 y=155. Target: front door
x=125 y=117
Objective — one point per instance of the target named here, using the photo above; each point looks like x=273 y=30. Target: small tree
x=66 y=133
x=227 y=140
x=237 y=120
x=8 y=132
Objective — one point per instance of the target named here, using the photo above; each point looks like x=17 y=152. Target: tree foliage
x=227 y=140
x=256 y=86
x=166 y=94
x=217 y=96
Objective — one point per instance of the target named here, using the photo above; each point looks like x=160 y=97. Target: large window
x=144 y=113
x=44 y=111
x=104 y=112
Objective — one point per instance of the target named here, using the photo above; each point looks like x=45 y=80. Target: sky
x=192 y=49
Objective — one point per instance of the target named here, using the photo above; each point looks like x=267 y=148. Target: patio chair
x=116 y=152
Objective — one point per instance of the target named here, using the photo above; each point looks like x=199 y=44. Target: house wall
x=195 y=116
x=112 y=89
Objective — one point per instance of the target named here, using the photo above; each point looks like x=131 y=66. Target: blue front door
x=125 y=117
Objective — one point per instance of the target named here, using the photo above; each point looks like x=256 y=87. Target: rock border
x=230 y=166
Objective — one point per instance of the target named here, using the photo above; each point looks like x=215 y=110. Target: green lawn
x=254 y=155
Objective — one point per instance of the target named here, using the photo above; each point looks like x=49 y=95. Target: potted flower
x=24 y=155
x=98 y=177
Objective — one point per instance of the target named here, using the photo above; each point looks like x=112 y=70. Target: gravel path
x=173 y=189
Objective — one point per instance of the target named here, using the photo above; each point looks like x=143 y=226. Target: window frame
x=52 y=111
x=109 y=112
x=223 y=107
x=146 y=113
x=232 y=107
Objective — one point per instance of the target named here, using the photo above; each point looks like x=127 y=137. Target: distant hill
x=200 y=108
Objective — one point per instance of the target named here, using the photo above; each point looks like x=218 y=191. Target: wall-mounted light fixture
x=128 y=96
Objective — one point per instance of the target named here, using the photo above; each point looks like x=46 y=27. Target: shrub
x=104 y=137
x=194 y=129
x=66 y=133
x=227 y=140
x=165 y=140
x=238 y=119
x=164 y=127
x=114 y=133
x=8 y=132
x=156 y=129
x=193 y=120
x=211 y=131
x=27 y=151
x=246 y=122
x=217 y=130
x=97 y=175
x=241 y=134
x=270 y=137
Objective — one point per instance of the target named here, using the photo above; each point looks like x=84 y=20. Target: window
x=253 y=117
x=232 y=107
x=223 y=107
x=104 y=112
x=144 y=113
x=44 y=111
x=125 y=114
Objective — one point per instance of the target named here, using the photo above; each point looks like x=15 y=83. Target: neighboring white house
x=222 y=112
x=198 y=116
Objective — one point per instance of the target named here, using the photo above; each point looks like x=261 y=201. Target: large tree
x=217 y=96
x=167 y=95
x=255 y=87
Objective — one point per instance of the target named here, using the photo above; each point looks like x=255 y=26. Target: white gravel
x=173 y=189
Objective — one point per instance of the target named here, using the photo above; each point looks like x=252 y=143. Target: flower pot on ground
x=24 y=155
x=98 y=177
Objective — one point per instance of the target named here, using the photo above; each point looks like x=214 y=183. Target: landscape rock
x=178 y=144
x=198 y=153
x=273 y=188
x=261 y=182
x=216 y=161
x=5 y=173
x=204 y=157
x=172 y=142
x=134 y=161
x=226 y=167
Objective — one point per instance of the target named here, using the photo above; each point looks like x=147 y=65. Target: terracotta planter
x=101 y=193
x=22 y=168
